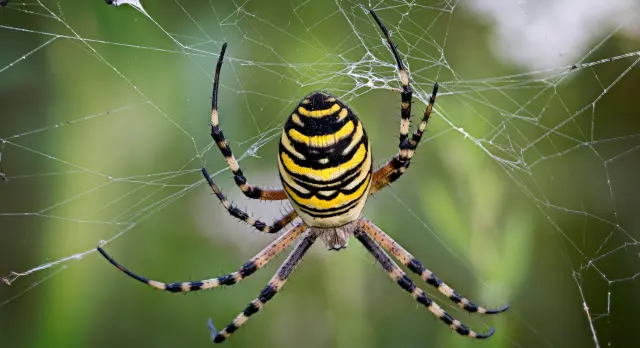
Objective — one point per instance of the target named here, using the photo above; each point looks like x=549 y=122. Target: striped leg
x=217 y=135
x=246 y=270
x=268 y=292
x=393 y=169
x=406 y=94
x=418 y=294
x=243 y=216
x=416 y=267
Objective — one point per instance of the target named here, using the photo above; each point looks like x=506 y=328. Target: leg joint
x=267 y=293
x=228 y=279
x=251 y=309
x=415 y=266
x=248 y=269
x=406 y=283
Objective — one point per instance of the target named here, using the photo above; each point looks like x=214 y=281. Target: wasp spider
x=326 y=170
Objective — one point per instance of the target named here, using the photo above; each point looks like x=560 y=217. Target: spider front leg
x=391 y=171
x=268 y=292
x=398 y=165
x=222 y=143
x=416 y=267
x=418 y=294
x=407 y=93
x=243 y=216
x=246 y=270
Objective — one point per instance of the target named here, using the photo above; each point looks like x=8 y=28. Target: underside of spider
x=325 y=165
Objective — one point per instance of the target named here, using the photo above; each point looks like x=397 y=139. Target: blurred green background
x=104 y=130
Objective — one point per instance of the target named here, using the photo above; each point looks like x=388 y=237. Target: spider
x=327 y=174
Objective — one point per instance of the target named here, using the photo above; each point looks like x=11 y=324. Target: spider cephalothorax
x=325 y=166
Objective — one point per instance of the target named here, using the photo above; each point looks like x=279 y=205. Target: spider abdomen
x=325 y=161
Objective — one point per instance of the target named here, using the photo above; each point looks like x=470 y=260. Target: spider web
x=524 y=183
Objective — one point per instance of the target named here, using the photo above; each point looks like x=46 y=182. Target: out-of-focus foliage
x=469 y=222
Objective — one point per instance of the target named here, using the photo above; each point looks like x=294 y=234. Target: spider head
x=320 y=101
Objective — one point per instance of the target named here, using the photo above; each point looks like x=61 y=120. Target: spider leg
x=250 y=191
x=246 y=270
x=268 y=292
x=407 y=93
x=398 y=165
x=243 y=216
x=418 y=294
x=391 y=171
x=416 y=267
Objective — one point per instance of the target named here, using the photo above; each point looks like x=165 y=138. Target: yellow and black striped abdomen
x=325 y=161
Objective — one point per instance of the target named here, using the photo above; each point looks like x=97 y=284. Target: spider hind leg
x=401 y=278
x=245 y=270
x=267 y=293
x=416 y=267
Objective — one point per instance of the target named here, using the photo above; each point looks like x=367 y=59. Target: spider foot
x=215 y=336
x=435 y=90
x=497 y=310
x=486 y=335
x=206 y=175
